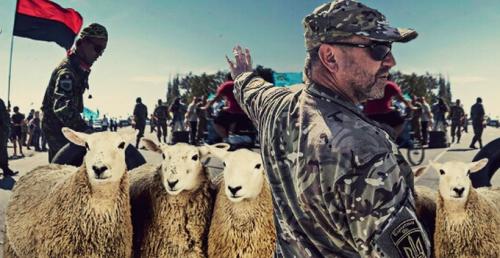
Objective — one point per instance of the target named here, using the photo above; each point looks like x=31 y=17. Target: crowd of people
x=419 y=118
x=206 y=121
x=26 y=131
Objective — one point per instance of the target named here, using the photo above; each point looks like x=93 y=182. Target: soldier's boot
x=8 y=172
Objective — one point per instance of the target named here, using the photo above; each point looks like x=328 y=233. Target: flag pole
x=10 y=62
x=10 y=70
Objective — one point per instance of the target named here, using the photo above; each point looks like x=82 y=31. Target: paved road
x=455 y=152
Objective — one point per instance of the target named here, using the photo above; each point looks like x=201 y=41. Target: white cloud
x=467 y=79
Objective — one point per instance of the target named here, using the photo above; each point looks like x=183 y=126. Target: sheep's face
x=454 y=181
x=105 y=157
x=243 y=175
x=181 y=167
x=243 y=172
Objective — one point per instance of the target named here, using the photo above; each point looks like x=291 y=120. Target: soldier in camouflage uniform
x=340 y=186
x=4 y=138
x=63 y=101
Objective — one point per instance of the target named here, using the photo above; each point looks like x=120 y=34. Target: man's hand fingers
x=248 y=58
x=231 y=64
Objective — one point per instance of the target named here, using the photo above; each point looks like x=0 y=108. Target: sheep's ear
x=478 y=165
x=150 y=145
x=75 y=137
x=219 y=150
x=420 y=171
x=436 y=166
x=128 y=135
x=204 y=150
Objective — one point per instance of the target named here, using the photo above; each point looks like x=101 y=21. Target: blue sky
x=151 y=40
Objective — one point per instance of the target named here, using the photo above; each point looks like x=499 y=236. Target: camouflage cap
x=343 y=18
x=94 y=30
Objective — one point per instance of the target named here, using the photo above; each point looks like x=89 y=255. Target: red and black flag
x=47 y=21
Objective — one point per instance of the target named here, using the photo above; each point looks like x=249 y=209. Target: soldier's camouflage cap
x=343 y=18
x=94 y=30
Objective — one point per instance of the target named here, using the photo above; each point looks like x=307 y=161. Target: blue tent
x=287 y=79
x=88 y=113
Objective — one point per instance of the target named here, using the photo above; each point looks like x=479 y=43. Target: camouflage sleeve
x=379 y=209
x=65 y=106
x=256 y=96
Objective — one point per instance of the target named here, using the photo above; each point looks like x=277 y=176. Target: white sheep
x=64 y=211
x=171 y=204
x=467 y=219
x=242 y=222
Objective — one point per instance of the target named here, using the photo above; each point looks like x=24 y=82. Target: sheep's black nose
x=459 y=190
x=173 y=183
x=99 y=170
x=234 y=190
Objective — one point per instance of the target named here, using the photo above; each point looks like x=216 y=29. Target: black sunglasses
x=378 y=50
x=97 y=48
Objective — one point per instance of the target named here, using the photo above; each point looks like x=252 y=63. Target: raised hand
x=242 y=63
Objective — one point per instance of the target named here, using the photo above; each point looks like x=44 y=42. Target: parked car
x=494 y=123
x=97 y=125
x=123 y=123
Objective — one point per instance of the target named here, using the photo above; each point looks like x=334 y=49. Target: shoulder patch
x=408 y=239
x=65 y=82
x=403 y=236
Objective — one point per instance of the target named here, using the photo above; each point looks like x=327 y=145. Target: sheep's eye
x=257 y=166
x=441 y=172
x=122 y=145
x=195 y=157
x=87 y=146
x=224 y=164
x=163 y=156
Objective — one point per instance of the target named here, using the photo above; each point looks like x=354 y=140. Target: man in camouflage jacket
x=340 y=186
x=63 y=100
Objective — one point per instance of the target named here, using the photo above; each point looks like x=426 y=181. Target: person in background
x=382 y=110
x=36 y=129
x=477 y=117
x=231 y=116
x=466 y=123
x=456 y=116
x=152 y=123
x=426 y=120
x=17 y=126
x=161 y=115
x=140 y=116
x=192 y=119
x=416 y=118
x=105 y=123
x=439 y=110
x=202 y=119
x=28 y=139
x=178 y=110
x=5 y=129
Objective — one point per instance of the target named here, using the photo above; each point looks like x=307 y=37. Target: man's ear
x=328 y=58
